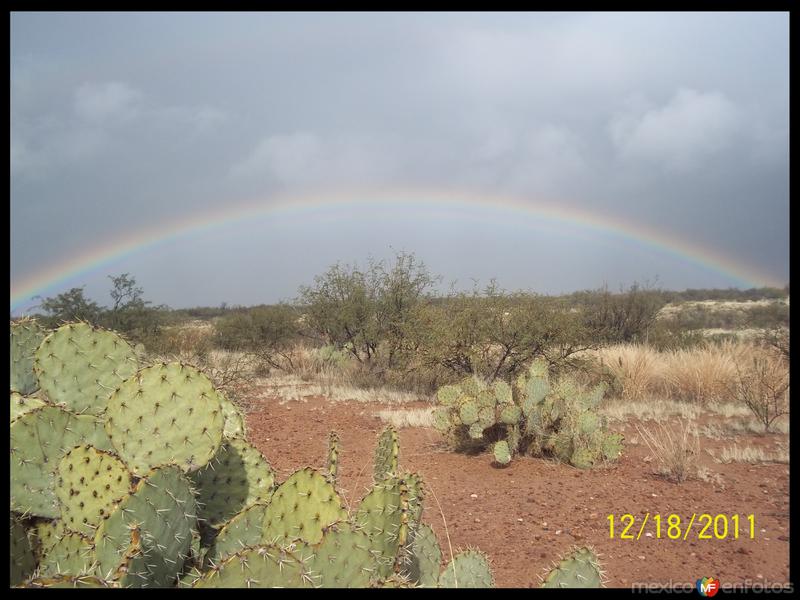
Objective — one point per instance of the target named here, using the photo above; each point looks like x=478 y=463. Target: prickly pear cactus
x=259 y=567
x=502 y=453
x=165 y=414
x=39 y=439
x=21 y=404
x=234 y=419
x=301 y=508
x=79 y=366
x=163 y=506
x=468 y=569
x=89 y=485
x=236 y=477
x=23 y=559
x=69 y=581
x=580 y=569
x=384 y=515
x=44 y=534
x=386 y=454
x=73 y=554
x=334 y=448
x=341 y=560
x=426 y=557
x=243 y=530
x=26 y=335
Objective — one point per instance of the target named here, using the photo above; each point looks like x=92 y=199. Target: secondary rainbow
x=62 y=272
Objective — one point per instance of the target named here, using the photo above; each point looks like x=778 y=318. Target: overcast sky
x=121 y=122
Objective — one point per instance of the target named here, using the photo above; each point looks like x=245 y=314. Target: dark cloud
x=123 y=121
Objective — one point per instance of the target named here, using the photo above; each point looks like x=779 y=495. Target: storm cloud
x=123 y=121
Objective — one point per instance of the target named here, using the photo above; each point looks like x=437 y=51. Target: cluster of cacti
x=126 y=475
x=532 y=417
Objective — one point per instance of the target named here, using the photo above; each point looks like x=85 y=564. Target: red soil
x=530 y=513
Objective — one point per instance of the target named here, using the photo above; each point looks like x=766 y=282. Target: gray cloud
x=679 y=121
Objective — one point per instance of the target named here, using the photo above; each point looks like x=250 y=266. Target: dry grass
x=412 y=417
x=699 y=375
x=675 y=449
x=752 y=455
x=653 y=410
x=293 y=388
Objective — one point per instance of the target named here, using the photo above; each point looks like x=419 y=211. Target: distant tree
x=624 y=317
x=70 y=306
x=130 y=312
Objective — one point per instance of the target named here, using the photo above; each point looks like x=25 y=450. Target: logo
x=708 y=586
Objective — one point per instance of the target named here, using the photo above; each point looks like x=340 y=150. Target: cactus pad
x=243 y=530
x=468 y=569
x=39 y=439
x=73 y=554
x=259 y=567
x=21 y=404
x=163 y=507
x=468 y=412
x=301 y=508
x=236 y=477
x=448 y=395
x=165 y=414
x=341 y=560
x=579 y=570
x=89 y=484
x=26 y=335
x=427 y=557
x=79 y=366
x=502 y=453
x=23 y=559
x=387 y=454
x=384 y=516
x=334 y=448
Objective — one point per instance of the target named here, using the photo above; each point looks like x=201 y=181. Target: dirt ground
x=528 y=514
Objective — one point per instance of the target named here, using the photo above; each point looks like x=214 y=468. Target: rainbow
x=121 y=246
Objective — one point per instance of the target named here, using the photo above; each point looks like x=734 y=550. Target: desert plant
x=763 y=386
x=675 y=449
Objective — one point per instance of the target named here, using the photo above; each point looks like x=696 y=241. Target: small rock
x=558 y=532
x=477 y=520
x=593 y=516
x=641 y=557
x=648 y=534
x=654 y=495
x=760 y=576
x=544 y=524
x=473 y=495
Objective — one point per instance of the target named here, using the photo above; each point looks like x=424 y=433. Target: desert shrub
x=762 y=384
x=624 y=317
x=268 y=332
x=494 y=334
x=675 y=449
x=370 y=313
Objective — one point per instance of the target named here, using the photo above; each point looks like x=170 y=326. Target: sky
x=231 y=157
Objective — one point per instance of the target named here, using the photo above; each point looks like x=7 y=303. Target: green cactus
x=236 y=477
x=163 y=506
x=73 y=554
x=468 y=412
x=89 y=485
x=23 y=558
x=341 y=560
x=426 y=557
x=468 y=569
x=234 y=420
x=334 y=448
x=441 y=420
x=387 y=454
x=476 y=431
x=612 y=446
x=244 y=529
x=258 y=567
x=44 y=534
x=301 y=508
x=21 y=404
x=583 y=458
x=448 y=395
x=384 y=516
x=165 y=414
x=580 y=569
x=26 y=335
x=69 y=581
x=502 y=453
x=39 y=438
x=503 y=392
x=79 y=366
x=510 y=415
